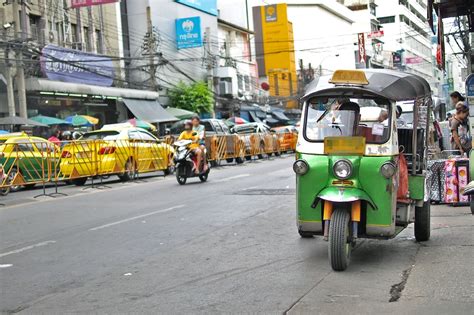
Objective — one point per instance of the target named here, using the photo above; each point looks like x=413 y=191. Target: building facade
x=48 y=39
x=407 y=36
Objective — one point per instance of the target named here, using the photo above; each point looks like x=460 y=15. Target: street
x=226 y=246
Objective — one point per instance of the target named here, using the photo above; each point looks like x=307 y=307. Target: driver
x=189 y=134
x=354 y=107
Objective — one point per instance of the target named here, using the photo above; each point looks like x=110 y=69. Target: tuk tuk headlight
x=388 y=169
x=300 y=167
x=342 y=169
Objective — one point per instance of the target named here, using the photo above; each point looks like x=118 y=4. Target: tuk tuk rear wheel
x=471 y=204
x=422 y=222
x=340 y=240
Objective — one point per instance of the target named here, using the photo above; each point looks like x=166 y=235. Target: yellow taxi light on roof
x=349 y=77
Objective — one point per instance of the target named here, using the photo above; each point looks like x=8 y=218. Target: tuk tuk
x=358 y=174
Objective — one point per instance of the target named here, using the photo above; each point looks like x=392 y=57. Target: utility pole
x=92 y=33
x=210 y=63
x=151 y=46
x=10 y=92
x=102 y=29
x=79 y=30
x=21 y=31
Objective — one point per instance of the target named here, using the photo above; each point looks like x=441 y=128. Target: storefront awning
x=147 y=110
x=280 y=116
x=44 y=85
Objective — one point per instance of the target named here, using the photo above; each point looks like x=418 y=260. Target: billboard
x=208 y=6
x=188 y=32
x=75 y=66
x=88 y=3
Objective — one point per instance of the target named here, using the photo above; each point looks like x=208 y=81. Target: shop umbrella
x=180 y=113
x=141 y=124
x=236 y=121
x=18 y=121
x=82 y=120
x=49 y=120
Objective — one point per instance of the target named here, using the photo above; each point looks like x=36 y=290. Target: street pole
x=102 y=30
x=10 y=92
x=21 y=35
x=210 y=65
x=151 y=49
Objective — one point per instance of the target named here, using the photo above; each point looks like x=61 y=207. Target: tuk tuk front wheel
x=340 y=240
x=422 y=222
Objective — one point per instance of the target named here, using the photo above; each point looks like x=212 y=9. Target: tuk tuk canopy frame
x=389 y=84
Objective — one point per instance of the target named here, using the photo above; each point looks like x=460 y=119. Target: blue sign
x=188 y=32
x=208 y=6
x=470 y=86
x=75 y=66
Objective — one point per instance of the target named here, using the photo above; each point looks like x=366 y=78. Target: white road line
x=135 y=218
x=230 y=178
x=17 y=251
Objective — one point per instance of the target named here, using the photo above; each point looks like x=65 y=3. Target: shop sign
x=74 y=66
x=271 y=13
x=413 y=60
x=188 y=32
x=470 y=92
x=362 y=53
x=208 y=6
x=375 y=34
x=88 y=3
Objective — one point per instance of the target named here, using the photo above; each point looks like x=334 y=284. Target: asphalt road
x=226 y=246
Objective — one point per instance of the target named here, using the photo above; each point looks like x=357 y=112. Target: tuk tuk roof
x=390 y=84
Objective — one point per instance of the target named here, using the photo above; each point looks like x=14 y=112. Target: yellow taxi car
x=27 y=160
x=287 y=137
x=117 y=149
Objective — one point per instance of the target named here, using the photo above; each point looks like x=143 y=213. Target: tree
x=195 y=97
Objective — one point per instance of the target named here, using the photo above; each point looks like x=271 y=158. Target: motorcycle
x=186 y=162
x=4 y=184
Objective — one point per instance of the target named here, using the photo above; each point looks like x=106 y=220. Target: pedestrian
x=459 y=125
x=456 y=98
x=55 y=137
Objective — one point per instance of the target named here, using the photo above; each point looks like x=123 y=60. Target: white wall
x=163 y=14
x=233 y=11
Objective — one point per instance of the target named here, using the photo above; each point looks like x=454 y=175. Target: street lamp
x=321 y=63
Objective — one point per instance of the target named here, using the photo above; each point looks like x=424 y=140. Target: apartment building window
x=58 y=36
x=98 y=41
x=387 y=19
x=74 y=35
x=35 y=27
x=373 y=9
x=87 y=39
x=240 y=83
x=247 y=83
x=418 y=29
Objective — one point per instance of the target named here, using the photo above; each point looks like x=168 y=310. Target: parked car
x=264 y=134
x=212 y=126
x=119 y=149
x=26 y=159
x=287 y=136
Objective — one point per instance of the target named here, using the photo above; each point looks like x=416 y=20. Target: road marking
x=230 y=178
x=135 y=218
x=17 y=251
x=5 y=265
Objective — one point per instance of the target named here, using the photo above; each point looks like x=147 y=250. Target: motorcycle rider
x=201 y=133
x=189 y=134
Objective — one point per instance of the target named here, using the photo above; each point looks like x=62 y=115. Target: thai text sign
x=74 y=66
x=188 y=32
x=208 y=6
x=88 y=3
x=413 y=60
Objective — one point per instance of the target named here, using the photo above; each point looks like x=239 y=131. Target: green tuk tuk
x=358 y=174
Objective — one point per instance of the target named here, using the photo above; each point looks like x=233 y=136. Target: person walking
x=459 y=125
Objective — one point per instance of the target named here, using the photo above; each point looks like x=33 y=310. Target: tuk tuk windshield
x=346 y=118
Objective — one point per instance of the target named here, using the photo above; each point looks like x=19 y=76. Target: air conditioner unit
x=225 y=88
x=52 y=37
